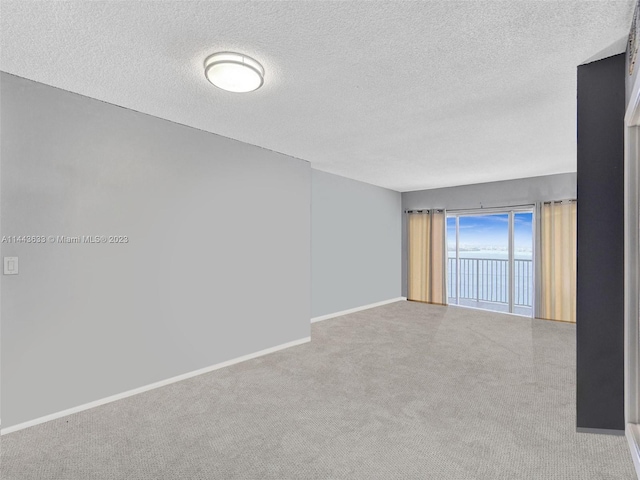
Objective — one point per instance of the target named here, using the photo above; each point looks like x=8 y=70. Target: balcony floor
x=495 y=307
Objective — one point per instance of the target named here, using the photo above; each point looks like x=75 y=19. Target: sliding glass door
x=490 y=260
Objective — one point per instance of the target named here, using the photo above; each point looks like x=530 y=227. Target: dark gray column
x=600 y=288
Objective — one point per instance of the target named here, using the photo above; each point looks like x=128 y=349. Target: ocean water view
x=491 y=254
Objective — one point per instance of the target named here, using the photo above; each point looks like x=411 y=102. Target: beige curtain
x=558 y=222
x=427 y=256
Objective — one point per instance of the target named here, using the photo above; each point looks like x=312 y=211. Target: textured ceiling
x=405 y=95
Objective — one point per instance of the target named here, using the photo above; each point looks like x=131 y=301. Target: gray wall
x=355 y=244
x=522 y=191
x=217 y=265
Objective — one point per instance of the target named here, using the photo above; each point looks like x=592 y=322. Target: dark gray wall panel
x=600 y=287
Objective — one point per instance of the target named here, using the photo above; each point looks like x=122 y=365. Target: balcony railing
x=487 y=280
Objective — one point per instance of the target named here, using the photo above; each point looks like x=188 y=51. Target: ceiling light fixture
x=234 y=72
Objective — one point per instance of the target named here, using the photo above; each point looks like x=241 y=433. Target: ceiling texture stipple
x=404 y=95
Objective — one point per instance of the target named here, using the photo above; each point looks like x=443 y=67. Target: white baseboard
x=357 y=309
x=151 y=386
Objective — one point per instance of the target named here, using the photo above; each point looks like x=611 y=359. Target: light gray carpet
x=404 y=391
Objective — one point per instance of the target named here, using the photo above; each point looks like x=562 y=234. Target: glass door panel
x=452 y=271
x=523 y=263
x=490 y=261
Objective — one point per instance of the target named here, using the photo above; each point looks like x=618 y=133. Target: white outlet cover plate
x=10 y=265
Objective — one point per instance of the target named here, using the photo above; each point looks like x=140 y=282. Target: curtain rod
x=497 y=207
x=569 y=200
x=482 y=207
x=425 y=210
x=468 y=209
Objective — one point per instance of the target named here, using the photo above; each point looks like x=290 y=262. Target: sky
x=491 y=231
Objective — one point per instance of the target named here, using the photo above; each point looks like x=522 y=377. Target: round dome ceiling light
x=234 y=72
